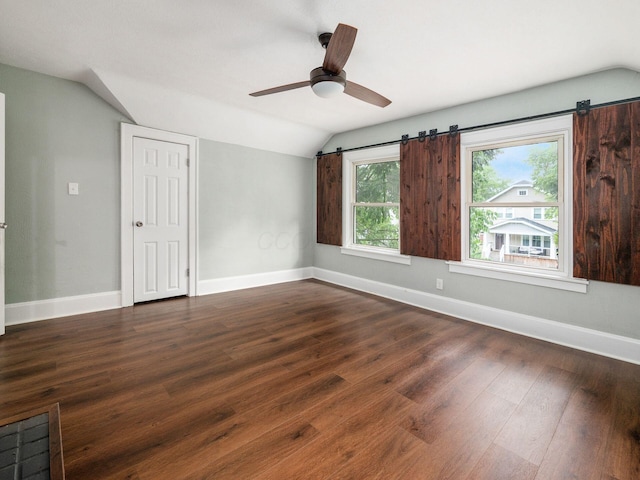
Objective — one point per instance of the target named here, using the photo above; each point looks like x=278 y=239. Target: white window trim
x=561 y=279
x=390 y=152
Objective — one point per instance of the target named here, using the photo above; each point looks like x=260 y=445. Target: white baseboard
x=594 y=341
x=227 y=284
x=26 y=312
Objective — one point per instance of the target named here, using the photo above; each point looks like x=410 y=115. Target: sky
x=511 y=164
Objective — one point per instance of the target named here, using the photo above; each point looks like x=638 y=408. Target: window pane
x=378 y=182
x=377 y=226
x=519 y=173
x=517 y=241
x=537 y=213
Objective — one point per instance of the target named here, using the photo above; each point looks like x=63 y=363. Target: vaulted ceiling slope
x=190 y=66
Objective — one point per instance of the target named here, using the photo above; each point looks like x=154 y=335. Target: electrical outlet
x=439 y=283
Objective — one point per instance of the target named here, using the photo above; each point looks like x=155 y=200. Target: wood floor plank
x=215 y=442
x=348 y=402
x=622 y=460
x=333 y=449
x=309 y=380
x=259 y=454
x=442 y=365
x=501 y=464
x=455 y=452
x=586 y=418
x=359 y=369
x=530 y=431
x=515 y=381
x=429 y=420
x=392 y=447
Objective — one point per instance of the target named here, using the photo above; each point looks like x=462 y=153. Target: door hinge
x=188 y=162
x=187 y=272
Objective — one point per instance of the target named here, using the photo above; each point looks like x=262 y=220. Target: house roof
x=525 y=222
x=189 y=66
x=520 y=184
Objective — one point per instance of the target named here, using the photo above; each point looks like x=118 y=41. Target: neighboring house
x=520 y=231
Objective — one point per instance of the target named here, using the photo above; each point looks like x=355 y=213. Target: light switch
x=74 y=189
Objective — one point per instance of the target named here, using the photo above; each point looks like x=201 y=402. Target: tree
x=486 y=183
x=376 y=225
x=544 y=161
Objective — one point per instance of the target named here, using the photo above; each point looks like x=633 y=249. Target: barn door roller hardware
x=583 y=107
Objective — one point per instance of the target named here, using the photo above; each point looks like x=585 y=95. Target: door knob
x=139 y=223
x=3 y=225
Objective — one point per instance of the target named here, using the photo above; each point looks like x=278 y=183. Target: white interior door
x=161 y=219
x=3 y=225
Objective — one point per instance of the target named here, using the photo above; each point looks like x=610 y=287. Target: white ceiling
x=189 y=65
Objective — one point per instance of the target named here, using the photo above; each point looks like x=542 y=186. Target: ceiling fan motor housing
x=319 y=74
x=327 y=84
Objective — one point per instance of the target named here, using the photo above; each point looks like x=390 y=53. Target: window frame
x=351 y=159
x=523 y=133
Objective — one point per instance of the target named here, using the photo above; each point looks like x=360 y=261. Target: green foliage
x=544 y=161
x=480 y=220
x=377 y=226
x=378 y=182
x=486 y=184
x=551 y=213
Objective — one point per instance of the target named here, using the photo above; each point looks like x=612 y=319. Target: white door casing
x=160 y=214
x=2 y=213
x=159 y=191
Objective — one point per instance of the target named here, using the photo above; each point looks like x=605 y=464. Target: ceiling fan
x=330 y=79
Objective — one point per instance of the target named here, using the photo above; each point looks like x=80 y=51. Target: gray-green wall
x=256 y=211
x=606 y=307
x=255 y=207
x=57 y=132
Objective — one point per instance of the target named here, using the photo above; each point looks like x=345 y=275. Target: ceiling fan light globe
x=328 y=89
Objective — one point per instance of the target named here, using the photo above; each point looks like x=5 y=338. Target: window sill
x=577 y=285
x=376 y=254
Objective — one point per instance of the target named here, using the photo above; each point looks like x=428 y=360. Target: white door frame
x=127 y=134
x=2 y=213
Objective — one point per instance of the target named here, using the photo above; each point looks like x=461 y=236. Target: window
x=372 y=203
x=496 y=172
x=509 y=234
x=537 y=213
x=376 y=204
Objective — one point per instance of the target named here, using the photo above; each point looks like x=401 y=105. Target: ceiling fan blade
x=366 y=95
x=281 y=88
x=339 y=48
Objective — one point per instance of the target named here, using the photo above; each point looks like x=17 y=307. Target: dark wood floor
x=307 y=380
